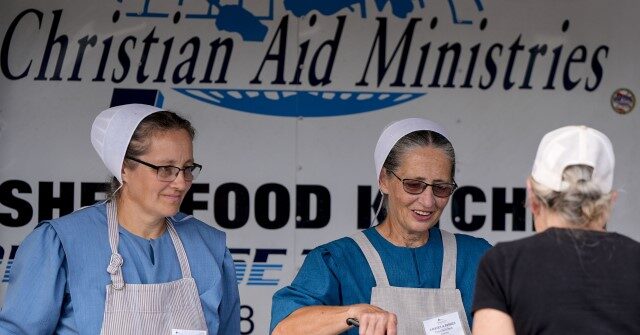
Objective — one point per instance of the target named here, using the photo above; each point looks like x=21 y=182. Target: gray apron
x=154 y=309
x=412 y=306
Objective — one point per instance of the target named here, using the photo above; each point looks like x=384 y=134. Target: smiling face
x=142 y=192
x=411 y=214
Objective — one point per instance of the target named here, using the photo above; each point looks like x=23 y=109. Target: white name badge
x=448 y=324
x=188 y=332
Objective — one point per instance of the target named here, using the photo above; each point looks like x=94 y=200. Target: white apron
x=153 y=309
x=413 y=306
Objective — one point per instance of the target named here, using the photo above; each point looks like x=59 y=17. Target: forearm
x=315 y=320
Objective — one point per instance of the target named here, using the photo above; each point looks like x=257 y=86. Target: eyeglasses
x=414 y=186
x=170 y=172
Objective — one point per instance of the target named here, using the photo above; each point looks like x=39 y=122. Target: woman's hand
x=330 y=320
x=374 y=320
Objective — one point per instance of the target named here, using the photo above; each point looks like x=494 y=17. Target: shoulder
x=624 y=241
x=626 y=250
x=88 y=222
x=338 y=254
x=199 y=238
x=541 y=240
x=512 y=252
x=189 y=224
x=470 y=248
x=471 y=243
x=337 y=248
x=43 y=234
x=93 y=212
x=616 y=246
x=470 y=251
x=43 y=240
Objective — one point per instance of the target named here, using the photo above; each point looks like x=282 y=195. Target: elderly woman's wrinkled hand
x=374 y=320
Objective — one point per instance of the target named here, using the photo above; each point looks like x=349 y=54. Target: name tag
x=448 y=324
x=188 y=332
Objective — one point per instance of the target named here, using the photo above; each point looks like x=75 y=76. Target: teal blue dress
x=337 y=273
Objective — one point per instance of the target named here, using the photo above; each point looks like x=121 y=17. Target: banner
x=289 y=97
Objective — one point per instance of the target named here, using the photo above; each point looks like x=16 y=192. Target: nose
x=180 y=183
x=426 y=198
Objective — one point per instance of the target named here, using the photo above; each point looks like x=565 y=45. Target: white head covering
x=394 y=131
x=574 y=145
x=112 y=130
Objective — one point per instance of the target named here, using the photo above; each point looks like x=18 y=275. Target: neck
x=555 y=220
x=134 y=221
x=400 y=237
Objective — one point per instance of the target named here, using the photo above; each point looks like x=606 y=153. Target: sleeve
x=35 y=293
x=229 y=311
x=315 y=284
x=491 y=282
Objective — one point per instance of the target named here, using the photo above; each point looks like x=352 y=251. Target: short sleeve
x=315 y=284
x=491 y=282
x=36 y=288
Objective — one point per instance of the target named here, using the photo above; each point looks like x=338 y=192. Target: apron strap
x=449 y=260
x=182 y=255
x=373 y=258
x=115 y=263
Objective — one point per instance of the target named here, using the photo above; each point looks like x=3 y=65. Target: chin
x=419 y=225
x=422 y=227
x=170 y=211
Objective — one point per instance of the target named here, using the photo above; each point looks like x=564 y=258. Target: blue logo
x=287 y=103
x=9 y=264
x=236 y=18
x=247 y=21
x=261 y=271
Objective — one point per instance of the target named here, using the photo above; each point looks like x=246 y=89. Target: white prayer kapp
x=188 y=332
x=448 y=324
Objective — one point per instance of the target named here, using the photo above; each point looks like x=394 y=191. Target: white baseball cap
x=574 y=145
x=394 y=131
x=112 y=130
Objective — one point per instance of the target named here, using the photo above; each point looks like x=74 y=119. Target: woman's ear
x=123 y=173
x=534 y=202
x=607 y=214
x=383 y=182
x=614 y=198
x=537 y=209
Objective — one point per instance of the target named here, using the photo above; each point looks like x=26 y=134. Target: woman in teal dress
x=340 y=281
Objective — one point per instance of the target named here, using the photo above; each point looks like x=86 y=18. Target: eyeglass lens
x=170 y=173
x=417 y=187
x=414 y=186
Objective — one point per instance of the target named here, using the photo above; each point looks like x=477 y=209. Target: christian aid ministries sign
x=272 y=57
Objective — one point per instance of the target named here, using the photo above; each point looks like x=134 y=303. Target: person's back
x=566 y=281
x=572 y=277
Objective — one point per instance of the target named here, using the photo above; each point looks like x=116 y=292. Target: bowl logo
x=250 y=19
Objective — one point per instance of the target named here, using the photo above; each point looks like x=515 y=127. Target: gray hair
x=139 y=144
x=582 y=203
x=420 y=138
